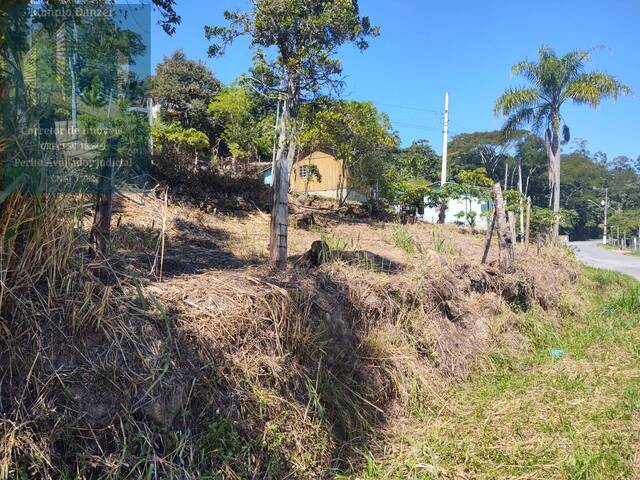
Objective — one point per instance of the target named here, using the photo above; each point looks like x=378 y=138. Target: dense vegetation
x=237 y=129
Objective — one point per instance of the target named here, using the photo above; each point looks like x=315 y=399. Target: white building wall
x=460 y=205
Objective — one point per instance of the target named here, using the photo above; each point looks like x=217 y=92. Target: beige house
x=334 y=178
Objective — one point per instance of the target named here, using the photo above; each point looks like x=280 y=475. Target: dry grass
x=222 y=369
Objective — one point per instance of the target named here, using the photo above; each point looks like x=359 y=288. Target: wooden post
x=512 y=225
x=488 y=235
x=101 y=228
x=164 y=230
x=528 y=224
x=505 y=239
x=280 y=197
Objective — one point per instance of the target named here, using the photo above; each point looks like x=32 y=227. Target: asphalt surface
x=593 y=254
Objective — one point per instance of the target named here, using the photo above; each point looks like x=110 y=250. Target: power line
x=414 y=125
x=406 y=107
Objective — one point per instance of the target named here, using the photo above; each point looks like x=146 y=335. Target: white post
x=445 y=134
x=606 y=211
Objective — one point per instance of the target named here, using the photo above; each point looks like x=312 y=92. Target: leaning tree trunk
x=491 y=225
x=505 y=240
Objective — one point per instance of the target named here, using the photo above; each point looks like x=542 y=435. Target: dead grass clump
x=83 y=363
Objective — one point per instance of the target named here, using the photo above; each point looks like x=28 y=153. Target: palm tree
x=554 y=80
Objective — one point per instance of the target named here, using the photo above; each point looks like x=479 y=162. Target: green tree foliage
x=357 y=134
x=174 y=138
x=586 y=176
x=409 y=193
x=626 y=223
x=490 y=150
x=305 y=35
x=584 y=181
x=408 y=173
x=554 y=80
x=470 y=183
x=246 y=130
x=543 y=221
x=624 y=183
x=417 y=161
x=313 y=172
x=94 y=96
x=475 y=181
x=184 y=88
x=102 y=46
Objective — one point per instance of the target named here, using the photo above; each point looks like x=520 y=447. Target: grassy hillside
x=566 y=408
x=223 y=370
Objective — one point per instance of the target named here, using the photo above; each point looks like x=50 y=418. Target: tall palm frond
x=523 y=116
x=515 y=99
x=593 y=87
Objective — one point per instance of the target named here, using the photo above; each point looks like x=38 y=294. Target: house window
x=304 y=171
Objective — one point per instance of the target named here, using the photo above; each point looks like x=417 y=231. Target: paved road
x=592 y=253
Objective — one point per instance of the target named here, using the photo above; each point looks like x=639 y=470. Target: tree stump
x=304 y=221
x=315 y=256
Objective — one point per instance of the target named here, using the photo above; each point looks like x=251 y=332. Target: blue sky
x=465 y=47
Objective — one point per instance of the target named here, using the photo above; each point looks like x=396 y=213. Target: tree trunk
x=101 y=227
x=281 y=169
x=505 y=240
x=552 y=164
x=506 y=175
x=73 y=60
x=512 y=225
x=491 y=225
x=556 y=198
x=552 y=144
x=342 y=181
x=527 y=233
x=521 y=201
x=442 y=212
x=74 y=105
x=280 y=206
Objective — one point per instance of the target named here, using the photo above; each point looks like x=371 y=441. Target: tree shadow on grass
x=288 y=379
x=192 y=250
x=363 y=259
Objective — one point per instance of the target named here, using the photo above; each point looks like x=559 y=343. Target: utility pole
x=606 y=211
x=445 y=139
